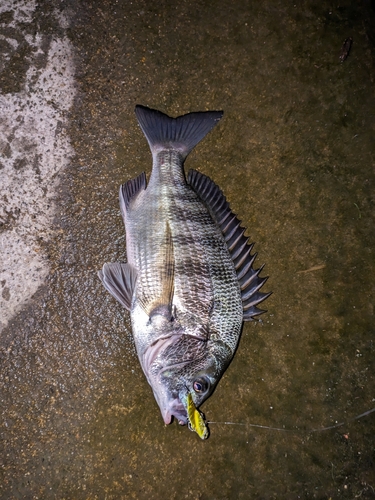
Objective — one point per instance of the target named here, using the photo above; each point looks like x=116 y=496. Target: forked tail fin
x=182 y=133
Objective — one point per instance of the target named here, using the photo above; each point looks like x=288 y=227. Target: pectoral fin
x=119 y=280
x=156 y=297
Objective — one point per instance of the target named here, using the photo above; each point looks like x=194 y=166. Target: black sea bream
x=189 y=281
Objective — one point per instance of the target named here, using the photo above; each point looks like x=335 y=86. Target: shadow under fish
x=189 y=281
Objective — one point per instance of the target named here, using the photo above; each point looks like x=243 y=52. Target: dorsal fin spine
x=247 y=294
x=239 y=261
x=228 y=227
x=235 y=239
x=247 y=279
x=256 y=299
x=246 y=266
x=240 y=249
x=223 y=216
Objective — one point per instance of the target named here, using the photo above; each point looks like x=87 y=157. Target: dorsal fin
x=238 y=244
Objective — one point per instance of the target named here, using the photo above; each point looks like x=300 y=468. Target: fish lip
x=168 y=417
x=186 y=412
x=173 y=409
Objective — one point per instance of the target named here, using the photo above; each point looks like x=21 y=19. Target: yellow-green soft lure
x=196 y=419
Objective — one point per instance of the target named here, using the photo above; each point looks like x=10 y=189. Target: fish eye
x=200 y=385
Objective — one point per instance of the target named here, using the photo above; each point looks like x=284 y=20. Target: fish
x=189 y=282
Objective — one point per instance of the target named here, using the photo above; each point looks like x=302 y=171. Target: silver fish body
x=189 y=282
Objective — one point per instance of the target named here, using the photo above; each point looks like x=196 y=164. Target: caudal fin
x=182 y=133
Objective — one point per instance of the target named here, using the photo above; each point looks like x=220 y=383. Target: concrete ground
x=294 y=155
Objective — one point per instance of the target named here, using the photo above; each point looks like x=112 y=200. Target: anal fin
x=130 y=190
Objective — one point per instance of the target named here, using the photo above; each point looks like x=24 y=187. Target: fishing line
x=298 y=430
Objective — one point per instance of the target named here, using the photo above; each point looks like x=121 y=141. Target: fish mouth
x=170 y=404
x=186 y=413
x=173 y=397
x=173 y=409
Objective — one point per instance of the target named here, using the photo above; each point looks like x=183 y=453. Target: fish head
x=183 y=372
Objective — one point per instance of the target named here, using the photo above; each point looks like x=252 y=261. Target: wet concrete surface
x=294 y=155
x=37 y=89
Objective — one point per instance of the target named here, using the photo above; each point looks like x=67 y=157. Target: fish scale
x=189 y=282
x=169 y=198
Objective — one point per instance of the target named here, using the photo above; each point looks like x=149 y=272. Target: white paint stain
x=34 y=148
